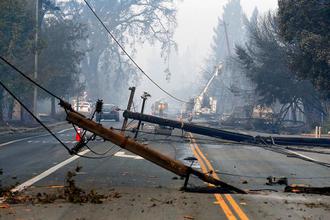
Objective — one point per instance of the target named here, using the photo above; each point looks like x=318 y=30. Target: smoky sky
x=196 y=20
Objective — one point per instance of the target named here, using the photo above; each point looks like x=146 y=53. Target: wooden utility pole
x=35 y=74
x=227 y=39
x=229 y=135
x=190 y=127
x=145 y=151
x=144 y=99
x=129 y=106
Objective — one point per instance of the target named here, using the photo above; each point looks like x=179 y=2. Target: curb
x=27 y=130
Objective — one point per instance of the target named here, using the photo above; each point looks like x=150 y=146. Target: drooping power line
x=129 y=56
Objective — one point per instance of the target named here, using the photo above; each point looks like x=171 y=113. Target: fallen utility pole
x=190 y=127
x=228 y=135
x=146 y=152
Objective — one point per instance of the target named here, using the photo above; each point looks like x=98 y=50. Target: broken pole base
x=185 y=184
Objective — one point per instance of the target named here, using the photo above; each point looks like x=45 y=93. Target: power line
x=32 y=115
x=129 y=56
x=28 y=78
x=36 y=118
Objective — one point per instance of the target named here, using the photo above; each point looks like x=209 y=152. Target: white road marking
x=301 y=155
x=47 y=173
x=64 y=130
x=22 y=139
x=123 y=154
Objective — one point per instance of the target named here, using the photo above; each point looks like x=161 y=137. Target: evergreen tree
x=232 y=23
x=265 y=62
x=61 y=56
x=305 y=26
x=16 y=37
x=229 y=32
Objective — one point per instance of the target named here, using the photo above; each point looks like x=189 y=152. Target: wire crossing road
x=145 y=191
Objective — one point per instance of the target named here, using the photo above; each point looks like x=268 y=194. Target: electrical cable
x=89 y=148
x=36 y=118
x=179 y=136
x=265 y=177
x=28 y=78
x=104 y=153
x=90 y=138
x=129 y=56
x=133 y=106
x=43 y=125
x=129 y=124
x=286 y=152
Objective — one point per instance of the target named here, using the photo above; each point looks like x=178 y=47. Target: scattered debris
x=70 y=193
x=317 y=205
x=307 y=189
x=277 y=180
x=4 y=206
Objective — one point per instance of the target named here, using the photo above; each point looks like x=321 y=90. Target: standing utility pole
x=36 y=59
x=144 y=99
x=227 y=40
x=129 y=106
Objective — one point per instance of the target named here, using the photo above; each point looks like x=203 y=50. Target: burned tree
x=131 y=22
x=264 y=60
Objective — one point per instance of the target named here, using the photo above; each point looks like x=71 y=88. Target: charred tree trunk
x=22 y=114
x=26 y=118
x=10 y=109
x=294 y=112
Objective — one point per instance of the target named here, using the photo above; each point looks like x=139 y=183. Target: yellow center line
x=229 y=198
x=221 y=202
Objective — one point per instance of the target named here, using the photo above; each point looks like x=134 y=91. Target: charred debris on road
x=70 y=192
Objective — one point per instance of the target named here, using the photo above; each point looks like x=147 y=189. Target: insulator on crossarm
x=99 y=106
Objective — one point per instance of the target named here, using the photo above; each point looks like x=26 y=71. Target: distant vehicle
x=206 y=106
x=160 y=108
x=83 y=107
x=109 y=112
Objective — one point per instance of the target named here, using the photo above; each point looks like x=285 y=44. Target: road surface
x=142 y=190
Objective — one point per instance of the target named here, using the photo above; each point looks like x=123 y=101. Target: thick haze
x=196 y=20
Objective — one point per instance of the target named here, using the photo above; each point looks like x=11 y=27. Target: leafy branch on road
x=69 y=193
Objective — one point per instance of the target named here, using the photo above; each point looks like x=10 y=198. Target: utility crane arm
x=216 y=73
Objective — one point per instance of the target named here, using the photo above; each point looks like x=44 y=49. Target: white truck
x=206 y=106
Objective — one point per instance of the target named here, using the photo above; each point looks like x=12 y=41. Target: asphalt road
x=142 y=190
